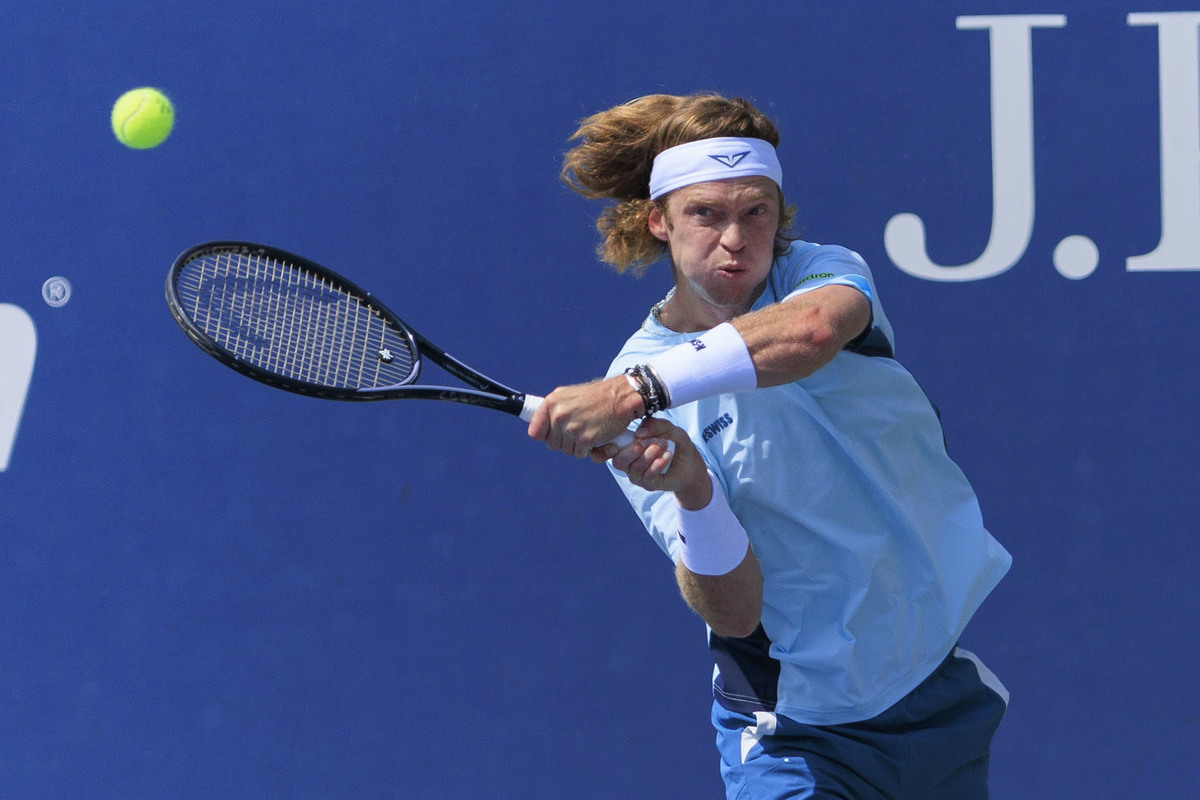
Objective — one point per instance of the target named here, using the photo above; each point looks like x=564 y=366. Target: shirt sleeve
x=826 y=265
x=810 y=266
x=656 y=512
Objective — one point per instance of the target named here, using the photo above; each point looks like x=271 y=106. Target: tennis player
x=816 y=522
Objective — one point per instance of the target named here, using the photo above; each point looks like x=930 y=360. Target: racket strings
x=293 y=322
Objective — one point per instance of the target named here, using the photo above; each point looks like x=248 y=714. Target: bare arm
x=793 y=339
x=787 y=341
x=731 y=604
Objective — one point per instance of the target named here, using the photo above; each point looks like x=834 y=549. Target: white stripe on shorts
x=986 y=675
x=765 y=726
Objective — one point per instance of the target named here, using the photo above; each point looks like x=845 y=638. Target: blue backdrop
x=213 y=589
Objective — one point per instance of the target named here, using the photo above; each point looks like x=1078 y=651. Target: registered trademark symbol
x=56 y=291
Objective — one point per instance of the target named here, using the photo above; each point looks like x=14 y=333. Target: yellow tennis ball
x=142 y=118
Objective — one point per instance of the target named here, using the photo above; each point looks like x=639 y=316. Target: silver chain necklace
x=656 y=311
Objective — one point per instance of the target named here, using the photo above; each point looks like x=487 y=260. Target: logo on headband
x=731 y=160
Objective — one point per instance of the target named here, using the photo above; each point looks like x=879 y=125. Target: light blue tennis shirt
x=870 y=539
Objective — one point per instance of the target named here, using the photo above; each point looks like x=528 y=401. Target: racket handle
x=624 y=438
x=532 y=404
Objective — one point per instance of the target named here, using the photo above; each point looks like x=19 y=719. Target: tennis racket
x=292 y=324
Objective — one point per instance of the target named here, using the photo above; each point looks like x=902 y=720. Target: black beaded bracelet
x=659 y=388
x=646 y=382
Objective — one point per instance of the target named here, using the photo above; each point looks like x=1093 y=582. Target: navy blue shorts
x=932 y=745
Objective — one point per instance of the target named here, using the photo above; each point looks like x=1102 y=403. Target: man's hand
x=645 y=462
x=575 y=419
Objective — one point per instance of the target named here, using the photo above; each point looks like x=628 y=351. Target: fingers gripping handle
x=625 y=437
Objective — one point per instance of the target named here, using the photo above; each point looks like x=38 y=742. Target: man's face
x=722 y=238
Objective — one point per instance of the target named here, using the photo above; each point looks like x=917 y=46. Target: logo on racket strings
x=231 y=305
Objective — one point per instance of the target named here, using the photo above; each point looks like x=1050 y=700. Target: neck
x=685 y=311
x=672 y=313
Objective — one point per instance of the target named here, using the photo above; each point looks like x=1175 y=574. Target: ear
x=657 y=222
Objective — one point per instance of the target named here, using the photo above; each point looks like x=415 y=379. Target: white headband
x=713 y=160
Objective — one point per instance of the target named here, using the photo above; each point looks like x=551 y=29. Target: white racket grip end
x=532 y=404
x=625 y=437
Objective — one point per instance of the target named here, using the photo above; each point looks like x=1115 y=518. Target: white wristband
x=716 y=362
x=711 y=541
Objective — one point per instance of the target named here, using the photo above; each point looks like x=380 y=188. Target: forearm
x=777 y=344
x=774 y=345
x=717 y=571
x=793 y=339
x=731 y=604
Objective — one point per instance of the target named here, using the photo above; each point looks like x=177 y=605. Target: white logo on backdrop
x=18 y=348
x=1076 y=256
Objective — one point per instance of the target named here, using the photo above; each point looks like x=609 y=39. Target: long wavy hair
x=615 y=153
